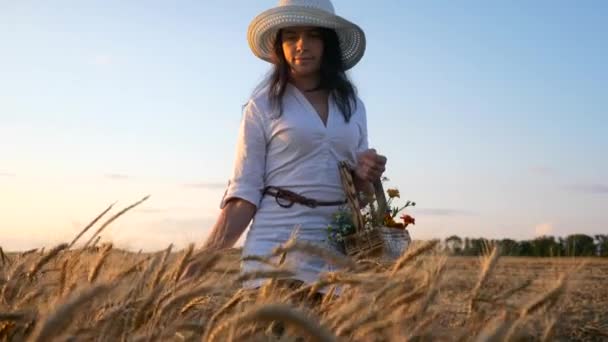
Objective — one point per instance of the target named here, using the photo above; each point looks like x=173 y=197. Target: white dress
x=298 y=152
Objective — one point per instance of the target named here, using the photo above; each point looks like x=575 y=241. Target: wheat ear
x=412 y=254
x=58 y=321
x=487 y=266
x=90 y=225
x=163 y=266
x=316 y=250
x=102 y=257
x=276 y=312
x=113 y=218
x=182 y=263
x=45 y=259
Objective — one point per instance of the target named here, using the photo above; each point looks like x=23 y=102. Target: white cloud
x=589 y=188
x=117 y=176
x=543 y=170
x=103 y=60
x=207 y=185
x=443 y=212
x=543 y=229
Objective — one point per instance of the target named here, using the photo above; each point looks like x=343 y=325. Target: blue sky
x=493 y=115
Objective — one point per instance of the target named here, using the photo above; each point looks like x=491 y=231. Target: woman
x=295 y=129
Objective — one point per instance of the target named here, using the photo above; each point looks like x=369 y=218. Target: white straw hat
x=263 y=29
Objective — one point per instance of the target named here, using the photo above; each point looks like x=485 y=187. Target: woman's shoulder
x=359 y=109
x=259 y=102
x=359 y=103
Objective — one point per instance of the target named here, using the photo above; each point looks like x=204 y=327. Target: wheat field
x=104 y=294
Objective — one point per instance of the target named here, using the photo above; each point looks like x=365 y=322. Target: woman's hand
x=370 y=165
x=230 y=224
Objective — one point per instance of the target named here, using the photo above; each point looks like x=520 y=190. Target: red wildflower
x=407 y=219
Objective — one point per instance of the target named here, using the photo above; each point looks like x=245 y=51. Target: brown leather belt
x=293 y=197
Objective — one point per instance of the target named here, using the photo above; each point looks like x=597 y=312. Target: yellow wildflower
x=392 y=193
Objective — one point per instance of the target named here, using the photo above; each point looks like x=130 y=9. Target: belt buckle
x=277 y=197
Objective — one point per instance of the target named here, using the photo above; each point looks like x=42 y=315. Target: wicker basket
x=396 y=241
x=379 y=241
x=364 y=243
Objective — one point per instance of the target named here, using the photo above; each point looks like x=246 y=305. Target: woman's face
x=303 y=49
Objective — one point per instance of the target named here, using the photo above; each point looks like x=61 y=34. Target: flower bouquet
x=395 y=234
x=370 y=229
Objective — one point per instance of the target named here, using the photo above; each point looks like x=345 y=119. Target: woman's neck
x=305 y=83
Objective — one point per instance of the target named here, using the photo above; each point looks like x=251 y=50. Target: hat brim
x=264 y=27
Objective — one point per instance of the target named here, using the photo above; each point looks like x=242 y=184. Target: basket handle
x=381 y=199
x=346 y=175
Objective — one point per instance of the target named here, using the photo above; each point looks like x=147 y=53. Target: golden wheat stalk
x=265 y=274
x=411 y=296
x=373 y=328
x=276 y=312
x=316 y=250
x=12 y=281
x=30 y=296
x=309 y=289
x=143 y=310
x=317 y=286
x=487 y=265
x=62 y=278
x=94 y=244
x=417 y=332
x=3 y=257
x=202 y=262
x=175 y=330
x=434 y=289
x=355 y=322
x=192 y=303
x=91 y=224
x=28 y=252
x=180 y=299
x=140 y=286
x=57 y=322
x=399 y=285
x=163 y=266
x=509 y=293
x=100 y=260
x=549 y=333
x=45 y=259
x=412 y=254
x=338 y=317
x=13 y=316
x=260 y=259
x=171 y=291
x=328 y=297
x=549 y=299
x=113 y=218
x=181 y=265
x=131 y=269
x=495 y=329
x=229 y=304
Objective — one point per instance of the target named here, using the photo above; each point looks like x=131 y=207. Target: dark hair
x=333 y=75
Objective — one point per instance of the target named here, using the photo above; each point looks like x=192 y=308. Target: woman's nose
x=301 y=42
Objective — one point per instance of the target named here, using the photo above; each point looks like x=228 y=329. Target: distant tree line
x=543 y=246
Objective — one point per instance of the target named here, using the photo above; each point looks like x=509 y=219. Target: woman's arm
x=230 y=225
x=243 y=194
